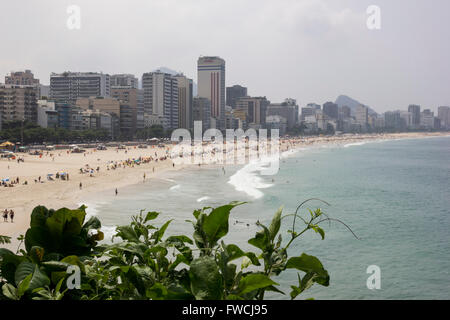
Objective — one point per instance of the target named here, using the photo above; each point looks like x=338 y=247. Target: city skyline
x=313 y=52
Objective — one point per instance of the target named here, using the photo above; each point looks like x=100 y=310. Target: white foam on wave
x=355 y=144
x=248 y=178
x=203 y=199
x=175 y=187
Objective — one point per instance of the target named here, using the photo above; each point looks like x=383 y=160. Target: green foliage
x=32 y=133
x=54 y=241
x=147 y=264
x=5 y=239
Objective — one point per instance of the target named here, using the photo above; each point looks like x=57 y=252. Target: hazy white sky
x=310 y=50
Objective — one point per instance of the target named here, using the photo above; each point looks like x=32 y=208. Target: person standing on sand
x=11 y=215
x=81 y=185
x=5 y=215
x=144 y=176
x=117 y=192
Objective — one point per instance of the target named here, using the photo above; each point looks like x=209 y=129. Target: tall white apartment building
x=211 y=85
x=161 y=97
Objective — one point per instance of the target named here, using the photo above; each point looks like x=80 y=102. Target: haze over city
x=309 y=50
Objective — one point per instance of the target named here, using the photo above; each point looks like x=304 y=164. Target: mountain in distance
x=344 y=100
x=174 y=73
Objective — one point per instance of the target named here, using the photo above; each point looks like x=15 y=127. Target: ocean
x=394 y=195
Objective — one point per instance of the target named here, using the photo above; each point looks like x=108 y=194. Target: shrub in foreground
x=146 y=264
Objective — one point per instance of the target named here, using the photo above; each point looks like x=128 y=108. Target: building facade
x=444 y=116
x=255 y=109
x=124 y=80
x=331 y=110
x=18 y=103
x=211 y=85
x=202 y=112
x=161 y=97
x=128 y=96
x=234 y=93
x=185 y=102
x=415 y=112
x=67 y=87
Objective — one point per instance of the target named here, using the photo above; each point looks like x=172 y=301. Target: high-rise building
x=362 y=115
x=415 y=112
x=407 y=117
x=330 y=109
x=211 y=85
x=287 y=109
x=255 y=109
x=427 y=120
x=394 y=121
x=444 y=116
x=140 y=109
x=24 y=78
x=124 y=80
x=47 y=116
x=234 y=93
x=18 y=103
x=306 y=112
x=128 y=96
x=185 y=102
x=67 y=87
x=161 y=97
x=201 y=111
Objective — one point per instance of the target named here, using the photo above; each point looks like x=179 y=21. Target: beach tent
x=7 y=145
x=5 y=180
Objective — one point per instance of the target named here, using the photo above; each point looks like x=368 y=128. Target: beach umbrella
x=7 y=179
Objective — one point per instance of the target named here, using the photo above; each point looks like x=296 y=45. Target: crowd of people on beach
x=6 y=213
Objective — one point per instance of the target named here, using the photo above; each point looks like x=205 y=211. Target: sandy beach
x=117 y=170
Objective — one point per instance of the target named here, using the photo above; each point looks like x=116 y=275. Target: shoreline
x=57 y=194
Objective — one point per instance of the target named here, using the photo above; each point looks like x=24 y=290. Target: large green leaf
x=10 y=291
x=65 y=221
x=234 y=252
x=8 y=265
x=261 y=239
x=215 y=224
x=39 y=216
x=151 y=216
x=127 y=233
x=206 y=281
x=160 y=232
x=24 y=285
x=38 y=280
x=310 y=264
x=253 y=282
x=39 y=237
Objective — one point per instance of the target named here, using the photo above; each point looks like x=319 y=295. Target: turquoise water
x=395 y=195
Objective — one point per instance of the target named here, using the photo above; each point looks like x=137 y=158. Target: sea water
x=394 y=195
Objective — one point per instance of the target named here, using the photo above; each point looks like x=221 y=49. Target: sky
x=309 y=50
